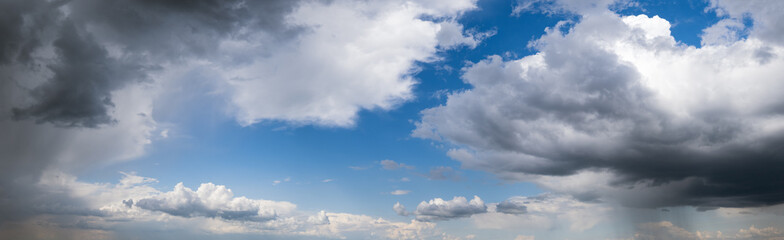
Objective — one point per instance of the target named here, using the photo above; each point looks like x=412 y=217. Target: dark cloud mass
x=79 y=94
x=142 y=35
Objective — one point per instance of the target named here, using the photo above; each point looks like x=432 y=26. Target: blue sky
x=489 y=119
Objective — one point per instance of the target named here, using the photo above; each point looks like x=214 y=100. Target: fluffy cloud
x=211 y=200
x=109 y=210
x=618 y=98
x=341 y=65
x=766 y=16
x=437 y=209
x=400 y=209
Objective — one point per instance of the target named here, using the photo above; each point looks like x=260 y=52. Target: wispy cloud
x=400 y=192
x=392 y=165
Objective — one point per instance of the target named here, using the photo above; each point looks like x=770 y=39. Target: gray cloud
x=79 y=94
x=438 y=209
x=443 y=173
x=400 y=209
x=392 y=165
x=515 y=205
x=613 y=95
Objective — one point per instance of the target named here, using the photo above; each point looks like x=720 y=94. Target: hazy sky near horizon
x=396 y=119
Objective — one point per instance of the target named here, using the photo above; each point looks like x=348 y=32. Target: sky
x=395 y=119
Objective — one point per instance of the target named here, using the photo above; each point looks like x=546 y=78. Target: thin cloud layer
x=668 y=230
x=619 y=97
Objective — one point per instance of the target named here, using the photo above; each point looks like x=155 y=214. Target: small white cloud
x=327 y=180
x=165 y=133
x=400 y=192
x=405 y=179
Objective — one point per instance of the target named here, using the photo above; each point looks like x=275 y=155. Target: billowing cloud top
x=618 y=98
x=211 y=200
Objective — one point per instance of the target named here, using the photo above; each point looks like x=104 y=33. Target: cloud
x=438 y=210
x=542 y=212
x=392 y=165
x=452 y=35
x=767 y=21
x=515 y=205
x=668 y=230
x=619 y=98
x=362 y=60
x=79 y=66
x=400 y=192
x=443 y=173
x=209 y=211
x=327 y=180
x=400 y=209
x=211 y=200
x=29 y=149
x=358 y=168
x=79 y=92
x=276 y=182
x=760 y=233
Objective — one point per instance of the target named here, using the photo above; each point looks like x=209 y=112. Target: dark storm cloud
x=176 y=29
x=144 y=34
x=79 y=94
x=577 y=107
